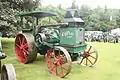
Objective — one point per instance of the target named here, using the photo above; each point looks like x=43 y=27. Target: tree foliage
x=55 y=19
x=9 y=8
x=98 y=18
x=101 y=19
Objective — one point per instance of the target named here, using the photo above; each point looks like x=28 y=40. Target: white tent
x=116 y=31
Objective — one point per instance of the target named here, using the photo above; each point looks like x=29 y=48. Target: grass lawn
x=107 y=67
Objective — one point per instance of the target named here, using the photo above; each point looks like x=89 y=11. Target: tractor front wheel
x=58 y=61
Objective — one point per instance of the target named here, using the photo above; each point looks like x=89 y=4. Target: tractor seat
x=2 y=55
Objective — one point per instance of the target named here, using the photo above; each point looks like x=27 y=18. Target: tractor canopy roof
x=38 y=13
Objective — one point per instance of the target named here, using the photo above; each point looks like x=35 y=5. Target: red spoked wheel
x=25 y=48
x=89 y=56
x=58 y=61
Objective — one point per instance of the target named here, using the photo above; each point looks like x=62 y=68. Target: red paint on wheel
x=21 y=48
x=55 y=63
x=88 y=59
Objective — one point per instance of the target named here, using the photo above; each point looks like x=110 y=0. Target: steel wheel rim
x=4 y=75
x=21 y=48
x=58 y=64
x=8 y=72
x=26 y=43
x=89 y=56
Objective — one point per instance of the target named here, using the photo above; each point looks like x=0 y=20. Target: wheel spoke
x=90 y=61
x=19 y=53
x=59 y=53
x=17 y=45
x=19 y=40
x=25 y=45
x=92 y=57
x=49 y=62
x=62 y=70
x=53 y=53
x=23 y=59
x=25 y=55
x=89 y=49
x=56 y=71
x=53 y=68
x=81 y=60
x=86 y=60
x=24 y=50
x=22 y=41
x=64 y=61
x=92 y=52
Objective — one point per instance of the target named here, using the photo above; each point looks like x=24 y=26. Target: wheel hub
x=57 y=61
x=87 y=54
x=21 y=47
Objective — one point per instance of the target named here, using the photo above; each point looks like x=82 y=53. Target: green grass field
x=106 y=68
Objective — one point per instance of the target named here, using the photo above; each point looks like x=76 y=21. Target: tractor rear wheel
x=58 y=61
x=25 y=48
x=8 y=72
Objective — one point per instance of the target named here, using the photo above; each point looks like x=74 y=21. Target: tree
x=9 y=8
x=98 y=18
x=118 y=19
x=55 y=19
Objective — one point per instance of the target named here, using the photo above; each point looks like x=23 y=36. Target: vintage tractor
x=62 y=44
x=7 y=70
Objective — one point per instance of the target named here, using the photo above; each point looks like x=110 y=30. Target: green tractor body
x=70 y=35
x=60 y=43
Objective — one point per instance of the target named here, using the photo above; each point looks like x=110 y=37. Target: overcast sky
x=92 y=3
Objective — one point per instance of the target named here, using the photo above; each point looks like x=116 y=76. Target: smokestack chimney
x=72 y=18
